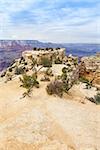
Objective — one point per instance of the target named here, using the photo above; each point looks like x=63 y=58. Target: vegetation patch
x=49 y=72
x=96 y=99
x=88 y=83
x=46 y=62
x=29 y=82
x=58 y=61
x=83 y=79
x=19 y=70
x=55 y=87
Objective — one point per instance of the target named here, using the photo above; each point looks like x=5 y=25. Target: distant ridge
x=29 y=44
x=11 y=49
x=24 y=44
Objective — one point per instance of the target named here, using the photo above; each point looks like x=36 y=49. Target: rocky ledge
x=90 y=68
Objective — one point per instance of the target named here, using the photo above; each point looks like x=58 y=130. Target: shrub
x=70 y=69
x=57 y=48
x=25 y=63
x=46 y=62
x=29 y=81
x=55 y=87
x=34 y=48
x=8 y=77
x=60 y=85
x=49 y=72
x=58 y=77
x=22 y=59
x=19 y=70
x=88 y=83
x=34 y=62
x=58 y=61
x=64 y=70
x=10 y=69
x=68 y=64
x=66 y=86
x=96 y=99
x=64 y=77
x=75 y=61
x=83 y=79
x=46 y=48
x=27 y=93
x=91 y=99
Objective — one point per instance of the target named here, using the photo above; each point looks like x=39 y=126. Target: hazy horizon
x=49 y=41
x=57 y=21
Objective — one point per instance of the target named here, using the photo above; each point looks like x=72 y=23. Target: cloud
x=52 y=20
x=15 y=5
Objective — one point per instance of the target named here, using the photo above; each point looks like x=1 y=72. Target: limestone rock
x=90 y=68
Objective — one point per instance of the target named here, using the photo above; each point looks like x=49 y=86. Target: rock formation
x=90 y=68
x=43 y=122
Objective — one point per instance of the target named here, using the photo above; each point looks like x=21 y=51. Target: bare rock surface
x=45 y=122
x=90 y=68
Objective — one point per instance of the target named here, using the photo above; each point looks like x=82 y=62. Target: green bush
x=55 y=87
x=58 y=77
x=46 y=62
x=27 y=93
x=64 y=70
x=8 y=77
x=59 y=86
x=97 y=98
x=58 y=61
x=66 y=86
x=83 y=79
x=29 y=81
x=75 y=61
x=88 y=83
x=49 y=72
x=34 y=62
x=64 y=77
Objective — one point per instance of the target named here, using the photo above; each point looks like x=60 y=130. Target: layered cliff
x=90 y=68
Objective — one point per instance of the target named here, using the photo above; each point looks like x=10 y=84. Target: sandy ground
x=45 y=122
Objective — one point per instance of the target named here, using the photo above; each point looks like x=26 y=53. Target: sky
x=59 y=21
